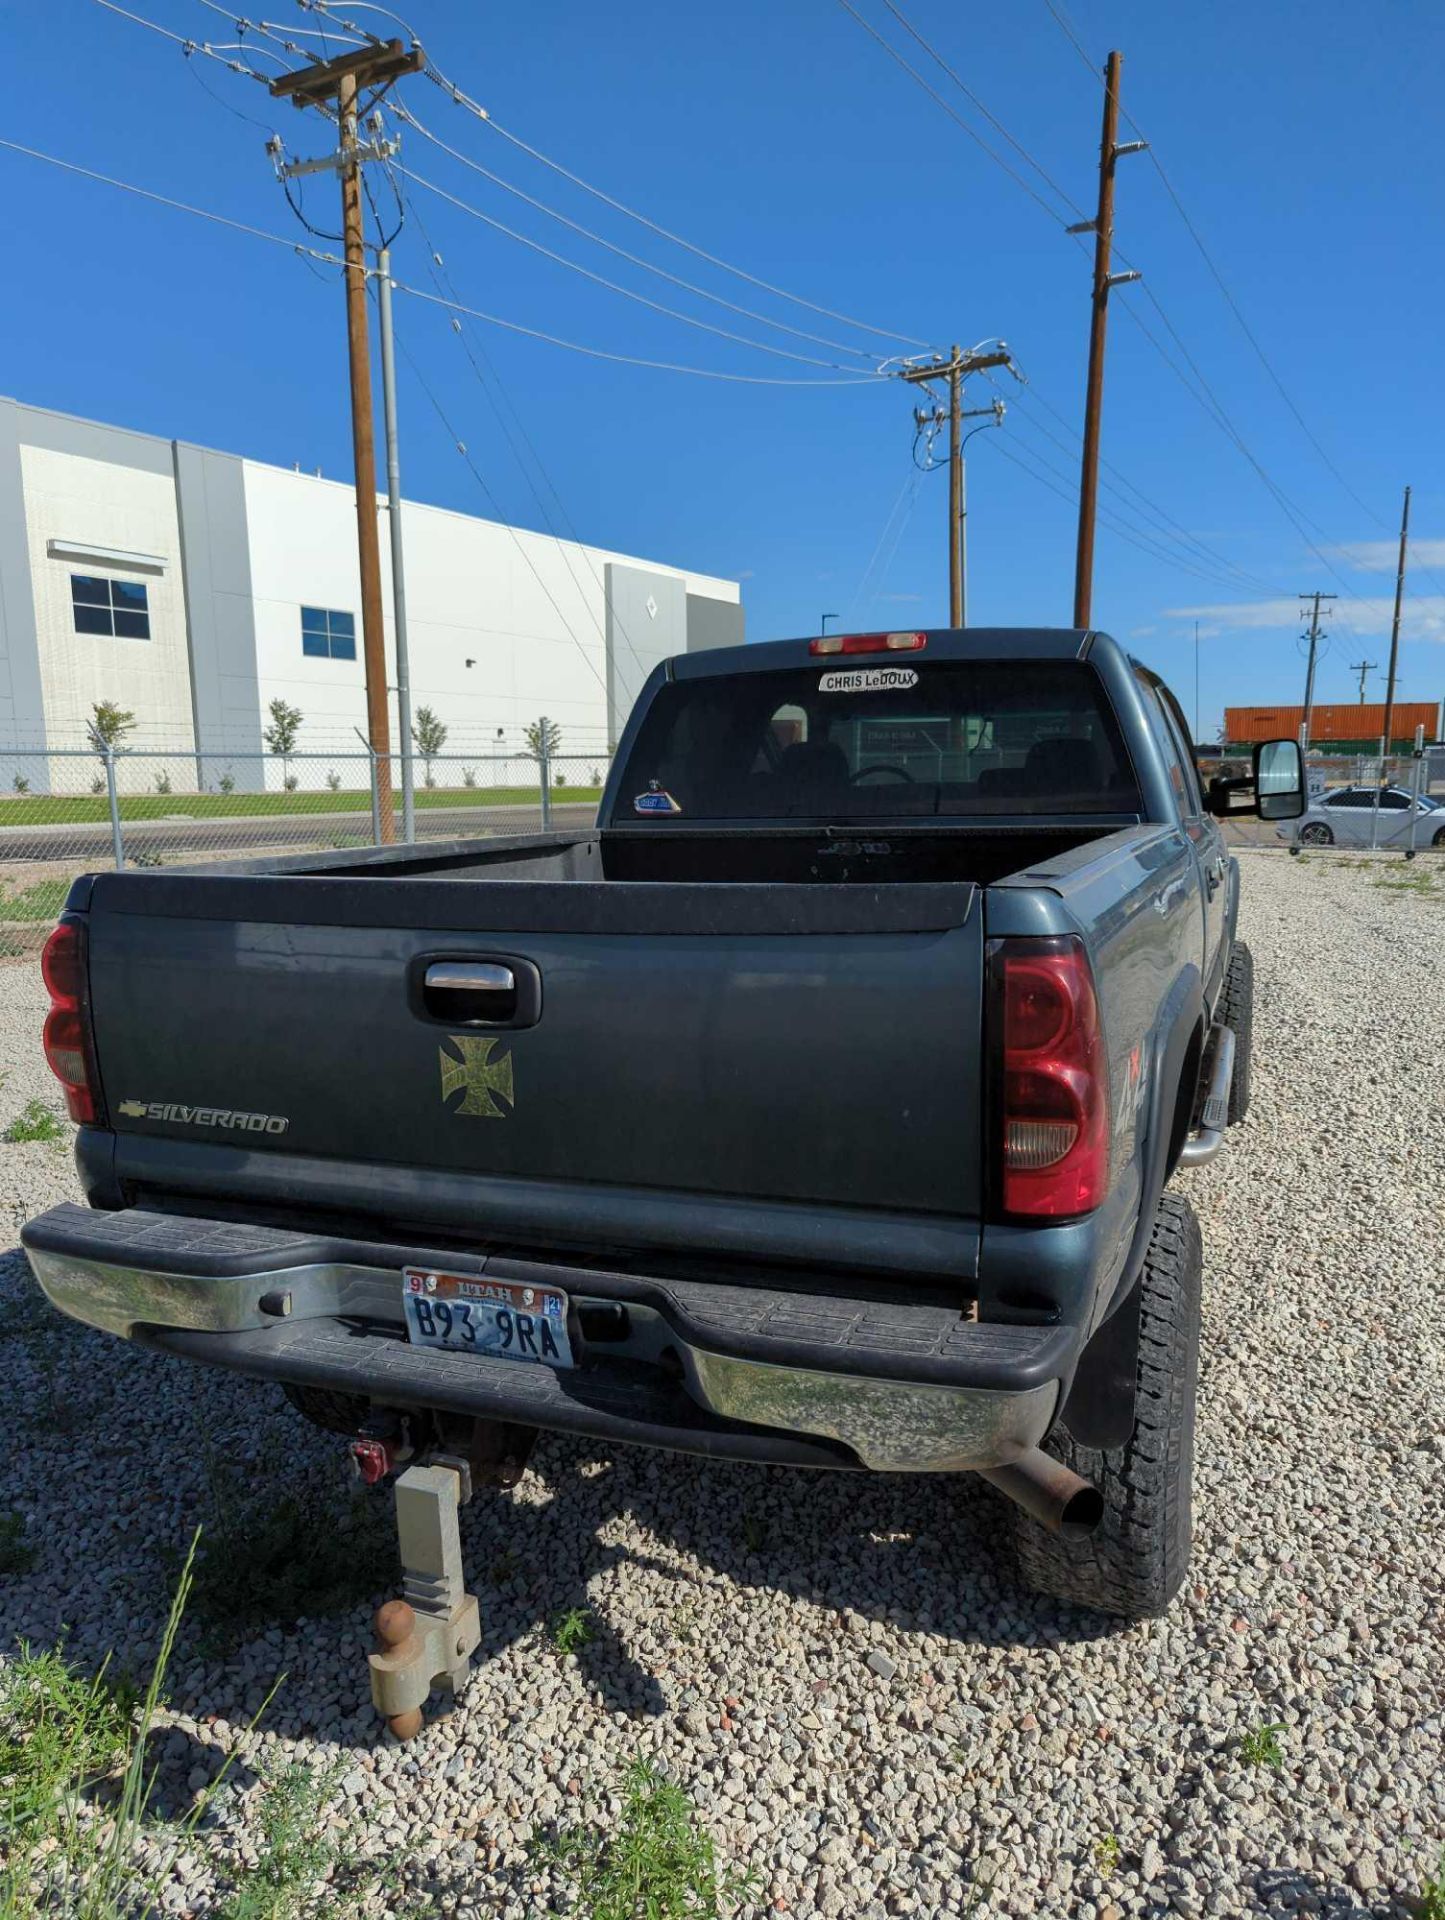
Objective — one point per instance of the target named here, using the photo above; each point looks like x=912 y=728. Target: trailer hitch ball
x=431 y=1634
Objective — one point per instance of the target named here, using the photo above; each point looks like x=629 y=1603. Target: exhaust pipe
x=1049 y=1492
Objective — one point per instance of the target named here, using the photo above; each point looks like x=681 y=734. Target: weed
x=333 y=780
x=20 y=783
x=16 y=1554
x=163 y=782
x=284 y=1546
x=291 y=782
x=660 y=1864
x=469 y=776
x=1107 y=1851
x=1430 y=1902
x=1420 y=883
x=298 y=1853
x=572 y=1630
x=145 y=857
x=1260 y=1747
x=684 y=1622
x=35 y=1122
x=97 y=785
x=227 y=783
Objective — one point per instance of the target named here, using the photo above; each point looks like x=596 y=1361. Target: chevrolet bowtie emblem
x=481 y=1080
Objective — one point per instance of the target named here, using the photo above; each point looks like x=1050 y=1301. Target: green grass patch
x=660 y=1864
x=35 y=1121
x=1430 y=1903
x=45 y=900
x=16 y=1553
x=283 y=1544
x=78 y=809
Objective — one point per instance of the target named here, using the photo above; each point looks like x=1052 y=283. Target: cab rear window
x=888 y=740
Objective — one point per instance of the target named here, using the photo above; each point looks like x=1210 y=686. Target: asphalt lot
x=838 y=1672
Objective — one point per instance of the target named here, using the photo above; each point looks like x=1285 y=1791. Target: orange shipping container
x=1351 y=720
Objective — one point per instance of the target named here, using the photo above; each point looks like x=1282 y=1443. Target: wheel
x=336 y=1412
x=1135 y=1561
x=1317 y=834
x=1439 y=840
x=1236 y=1011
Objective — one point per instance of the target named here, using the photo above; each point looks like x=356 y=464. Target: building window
x=328 y=636
x=115 y=607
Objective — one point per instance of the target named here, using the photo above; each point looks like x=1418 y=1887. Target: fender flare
x=1099 y=1409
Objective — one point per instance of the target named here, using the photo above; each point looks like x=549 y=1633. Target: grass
x=284 y=1545
x=660 y=1864
x=16 y=1553
x=1412 y=883
x=572 y=1630
x=42 y=901
x=1260 y=1747
x=1107 y=1852
x=77 y=1832
x=1430 y=1902
x=53 y=810
x=35 y=1122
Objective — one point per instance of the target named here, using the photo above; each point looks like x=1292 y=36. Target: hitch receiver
x=431 y=1634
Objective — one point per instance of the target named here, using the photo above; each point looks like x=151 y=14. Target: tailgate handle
x=467 y=976
x=481 y=993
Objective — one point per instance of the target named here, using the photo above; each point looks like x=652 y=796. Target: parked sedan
x=1343 y=818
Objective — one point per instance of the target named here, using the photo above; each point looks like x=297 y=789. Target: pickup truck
x=818 y=1107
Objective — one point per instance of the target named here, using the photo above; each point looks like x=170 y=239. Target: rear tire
x=1439 y=840
x=1316 y=834
x=1135 y=1562
x=1236 y=1011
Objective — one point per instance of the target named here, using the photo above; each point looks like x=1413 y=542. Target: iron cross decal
x=481 y=1080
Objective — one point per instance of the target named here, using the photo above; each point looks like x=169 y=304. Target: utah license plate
x=500 y=1318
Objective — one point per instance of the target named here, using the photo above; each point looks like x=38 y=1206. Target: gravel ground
x=839 y=1673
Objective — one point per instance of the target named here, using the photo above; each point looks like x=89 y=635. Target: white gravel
x=838 y=1671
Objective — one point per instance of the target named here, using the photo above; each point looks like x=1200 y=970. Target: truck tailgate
x=804 y=1048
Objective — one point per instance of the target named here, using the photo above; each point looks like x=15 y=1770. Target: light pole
x=823 y=620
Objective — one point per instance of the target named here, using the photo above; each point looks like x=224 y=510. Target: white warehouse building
x=195 y=588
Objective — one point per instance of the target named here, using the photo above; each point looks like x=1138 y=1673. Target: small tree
x=108 y=725
x=280 y=737
x=430 y=735
x=540 y=734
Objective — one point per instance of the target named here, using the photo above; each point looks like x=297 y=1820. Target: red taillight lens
x=1052 y=1080
x=66 y=1038
x=869 y=643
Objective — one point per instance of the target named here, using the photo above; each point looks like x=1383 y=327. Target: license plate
x=500 y=1318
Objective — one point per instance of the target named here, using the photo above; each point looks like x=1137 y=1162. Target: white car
x=1343 y=819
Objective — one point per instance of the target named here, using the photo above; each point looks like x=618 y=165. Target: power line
x=613 y=286
x=957 y=118
x=636 y=260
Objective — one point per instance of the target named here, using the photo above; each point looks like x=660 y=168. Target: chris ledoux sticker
x=868 y=680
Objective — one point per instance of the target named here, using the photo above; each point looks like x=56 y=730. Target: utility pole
x=955 y=371
x=398 y=557
x=1395 y=635
x=1363 y=667
x=1314 y=640
x=340 y=80
x=1102 y=228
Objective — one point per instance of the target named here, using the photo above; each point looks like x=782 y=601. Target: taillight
x=1051 y=1080
x=869 y=643
x=66 y=1039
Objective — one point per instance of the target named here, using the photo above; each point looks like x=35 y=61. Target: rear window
x=847 y=740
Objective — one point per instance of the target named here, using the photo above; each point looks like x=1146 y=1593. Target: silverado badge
x=481 y=1080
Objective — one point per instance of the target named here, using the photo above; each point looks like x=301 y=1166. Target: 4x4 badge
x=481 y=1080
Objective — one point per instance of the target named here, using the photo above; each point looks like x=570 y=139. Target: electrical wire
x=957 y=118
x=613 y=286
x=636 y=260
x=992 y=119
x=910 y=481
x=436 y=267
x=189 y=45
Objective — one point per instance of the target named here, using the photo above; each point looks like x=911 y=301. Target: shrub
x=227 y=783
x=290 y=782
x=333 y=780
x=163 y=782
x=21 y=784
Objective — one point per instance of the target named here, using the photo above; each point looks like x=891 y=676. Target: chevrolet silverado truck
x=818 y=1107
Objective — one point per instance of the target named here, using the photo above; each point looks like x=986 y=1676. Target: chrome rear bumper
x=897 y=1388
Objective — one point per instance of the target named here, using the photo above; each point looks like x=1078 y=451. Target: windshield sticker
x=655 y=800
x=869 y=680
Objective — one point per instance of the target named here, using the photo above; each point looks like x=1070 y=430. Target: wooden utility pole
x=1395 y=636
x=1314 y=640
x=955 y=370
x=1363 y=668
x=1102 y=227
x=340 y=80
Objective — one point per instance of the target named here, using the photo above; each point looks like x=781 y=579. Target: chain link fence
x=65 y=812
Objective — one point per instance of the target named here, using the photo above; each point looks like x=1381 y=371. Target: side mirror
x=1275 y=791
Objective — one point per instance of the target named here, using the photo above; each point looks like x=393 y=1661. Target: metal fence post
x=117 y=839
x=544 y=767
x=375 y=798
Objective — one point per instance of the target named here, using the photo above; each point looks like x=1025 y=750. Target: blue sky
x=1306 y=146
